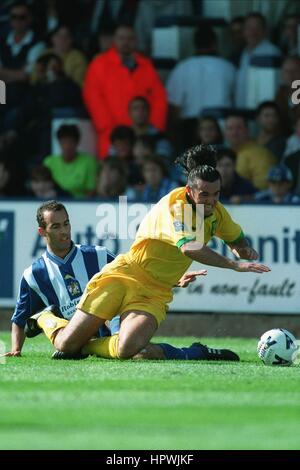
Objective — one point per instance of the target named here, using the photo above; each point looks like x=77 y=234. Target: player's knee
x=126 y=350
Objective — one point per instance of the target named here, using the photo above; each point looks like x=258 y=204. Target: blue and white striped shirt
x=53 y=280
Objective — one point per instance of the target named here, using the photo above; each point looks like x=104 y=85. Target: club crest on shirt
x=179 y=226
x=72 y=286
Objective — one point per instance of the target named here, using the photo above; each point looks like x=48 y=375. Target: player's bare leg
x=80 y=329
x=137 y=329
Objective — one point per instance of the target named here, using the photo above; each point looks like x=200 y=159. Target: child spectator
x=209 y=131
x=42 y=185
x=139 y=112
x=112 y=180
x=122 y=142
x=234 y=188
x=72 y=170
x=270 y=133
x=73 y=61
x=143 y=148
x=293 y=142
x=52 y=87
x=280 y=182
x=156 y=178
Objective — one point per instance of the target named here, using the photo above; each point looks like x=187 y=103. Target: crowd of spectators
x=96 y=57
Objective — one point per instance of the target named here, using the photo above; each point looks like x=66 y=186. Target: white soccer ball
x=277 y=347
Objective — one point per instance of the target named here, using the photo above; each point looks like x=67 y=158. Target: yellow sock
x=103 y=347
x=50 y=324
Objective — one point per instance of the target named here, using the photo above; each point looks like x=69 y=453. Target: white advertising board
x=273 y=231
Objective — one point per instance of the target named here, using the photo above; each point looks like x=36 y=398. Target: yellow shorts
x=124 y=286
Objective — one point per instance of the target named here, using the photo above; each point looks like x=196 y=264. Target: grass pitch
x=106 y=404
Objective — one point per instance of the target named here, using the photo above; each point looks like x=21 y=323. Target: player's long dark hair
x=199 y=162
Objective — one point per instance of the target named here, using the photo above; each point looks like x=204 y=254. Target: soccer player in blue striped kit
x=59 y=276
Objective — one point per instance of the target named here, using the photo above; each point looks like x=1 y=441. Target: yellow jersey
x=170 y=223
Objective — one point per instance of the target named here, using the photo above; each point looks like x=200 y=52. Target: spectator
x=139 y=112
x=236 y=39
x=42 y=185
x=122 y=140
x=112 y=180
x=253 y=160
x=234 y=188
x=143 y=148
x=157 y=182
x=292 y=161
x=52 y=90
x=270 y=133
x=21 y=48
x=113 y=79
x=74 y=62
x=289 y=34
x=293 y=142
x=18 y=52
x=73 y=171
x=195 y=84
x=280 y=182
x=104 y=40
x=209 y=131
x=257 y=44
x=290 y=71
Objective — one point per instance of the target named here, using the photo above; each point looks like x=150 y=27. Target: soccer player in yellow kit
x=138 y=285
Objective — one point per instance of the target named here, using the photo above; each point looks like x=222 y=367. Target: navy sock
x=183 y=354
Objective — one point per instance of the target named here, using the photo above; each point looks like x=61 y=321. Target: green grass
x=103 y=404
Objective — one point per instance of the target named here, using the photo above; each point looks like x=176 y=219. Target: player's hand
x=189 y=277
x=245 y=253
x=251 y=268
x=11 y=354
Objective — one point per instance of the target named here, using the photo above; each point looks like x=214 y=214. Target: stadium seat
x=263 y=79
x=78 y=116
x=173 y=36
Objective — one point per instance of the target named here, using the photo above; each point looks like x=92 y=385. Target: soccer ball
x=277 y=347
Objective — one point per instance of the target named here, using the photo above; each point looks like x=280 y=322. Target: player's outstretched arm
x=242 y=249
x=203 y=254
x=17 y=341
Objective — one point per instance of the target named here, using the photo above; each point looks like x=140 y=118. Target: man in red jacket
x=113 y=79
